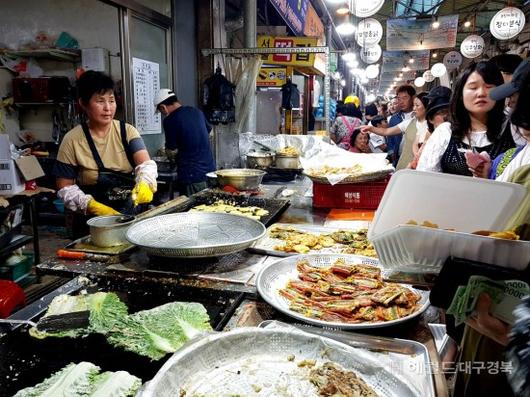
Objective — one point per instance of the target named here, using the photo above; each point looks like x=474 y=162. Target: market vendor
x=103 y=167
x=187 y=133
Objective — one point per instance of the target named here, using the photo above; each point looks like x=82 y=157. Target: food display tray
x=266 y=244
x=275 y=206
x=195 y=234
x=275 y=276
x=255 y=361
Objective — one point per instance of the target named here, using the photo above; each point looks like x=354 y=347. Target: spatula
x=56 y=322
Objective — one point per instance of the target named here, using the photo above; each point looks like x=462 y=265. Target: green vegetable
x=156 y=332
x=115 y=384
x=72 y=380
x=105 y=309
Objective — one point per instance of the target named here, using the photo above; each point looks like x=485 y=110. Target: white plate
x=276 y=275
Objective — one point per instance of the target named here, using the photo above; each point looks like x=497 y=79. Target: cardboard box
x=10 y=179
x=30 y=167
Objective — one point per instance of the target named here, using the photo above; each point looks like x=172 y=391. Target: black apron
x=112 y=188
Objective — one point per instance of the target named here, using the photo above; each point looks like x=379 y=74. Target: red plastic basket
x=365 y=195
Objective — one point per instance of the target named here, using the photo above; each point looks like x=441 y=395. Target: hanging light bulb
x=435 y=55
x=348 y=56
x=467 y=23
x=401 y=74
x=343 y=83
x=436 y=23
x=346 y=28
x=343 y=9
x=411 y=60
x=405 y=68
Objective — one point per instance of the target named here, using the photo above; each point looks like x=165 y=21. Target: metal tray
x=274 y=277
x=254 y=362
x=195 y=235
x=266 y=244
x=275 y=206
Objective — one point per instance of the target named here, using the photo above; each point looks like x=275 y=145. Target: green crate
x=17 y=270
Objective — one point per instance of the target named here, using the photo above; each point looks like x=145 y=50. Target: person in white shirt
x=475 y=123
x=413 y=128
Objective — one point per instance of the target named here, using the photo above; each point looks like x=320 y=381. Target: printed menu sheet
x=146 y=78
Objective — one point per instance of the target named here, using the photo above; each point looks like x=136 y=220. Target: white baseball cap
x=162 y=95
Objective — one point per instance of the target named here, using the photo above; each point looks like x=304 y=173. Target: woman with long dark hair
x=475 y=123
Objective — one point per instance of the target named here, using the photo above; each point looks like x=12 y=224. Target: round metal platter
x=266 y=362
x=195 y=234
x=276 y=275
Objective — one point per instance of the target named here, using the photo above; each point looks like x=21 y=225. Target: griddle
x=26 y=361
x=275 y=206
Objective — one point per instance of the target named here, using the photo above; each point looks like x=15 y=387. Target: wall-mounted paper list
x=146 y=78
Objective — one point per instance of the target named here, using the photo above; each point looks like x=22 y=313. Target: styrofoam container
x=454 y=202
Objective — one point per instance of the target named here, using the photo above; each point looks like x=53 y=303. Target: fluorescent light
x=345 y=29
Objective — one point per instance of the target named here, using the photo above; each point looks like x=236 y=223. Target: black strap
x=123 y=132
x=92 y=146
x=95 y=153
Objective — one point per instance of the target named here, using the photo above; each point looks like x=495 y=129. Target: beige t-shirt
x=74 y=151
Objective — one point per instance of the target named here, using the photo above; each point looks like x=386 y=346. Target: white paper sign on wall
x=428 y=76
x=369 y=32
x=452 y=60
x=472 y=46
x=371 y=54
x=367 y=8
x=507 y=23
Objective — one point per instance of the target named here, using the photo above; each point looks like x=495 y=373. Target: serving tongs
x=262 y=146
x=56 y=322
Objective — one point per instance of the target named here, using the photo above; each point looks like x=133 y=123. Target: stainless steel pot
x=240 y=178
x=109 y=231
x=287 y=162
x=260 y=160
x=211 y=178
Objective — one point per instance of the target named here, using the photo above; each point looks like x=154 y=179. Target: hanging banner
x=472 y=46
x=452 y=60
x=293 y=13
x=409 y=34
x=366 y=8
x=271 y=77
x=397 y=60
x=390 y=76
x=369 y=32
x=313 y=26
x=507 y=23
x=146 y=83
x=371 y=54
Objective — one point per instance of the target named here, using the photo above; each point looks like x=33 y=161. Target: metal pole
x=250 y=19
x=327 y=93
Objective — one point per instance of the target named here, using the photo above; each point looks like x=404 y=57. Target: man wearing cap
x=186 y=131
x=513 y=70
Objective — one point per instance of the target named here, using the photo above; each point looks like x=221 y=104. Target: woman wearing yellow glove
x=102 y=167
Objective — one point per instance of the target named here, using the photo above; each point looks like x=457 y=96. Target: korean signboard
x=271 y=77
x=472 y=46
x=397 y=60
x=300 y=16
x=406 y=34
x=303 y=59
x=369 y=32
x=507 y=23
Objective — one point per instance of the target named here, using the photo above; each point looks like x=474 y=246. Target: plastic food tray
x=459 y=203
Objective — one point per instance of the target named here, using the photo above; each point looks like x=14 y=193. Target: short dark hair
x=520 y=116
x=169 y=101
x=371 y=110
x=459 y=116
x=356 y=132
x=406 y=88
x=92 y=82
x=507 y=63
x=422 y=96
x=378 y=120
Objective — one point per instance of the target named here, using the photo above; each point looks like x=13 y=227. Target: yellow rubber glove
x=96 y=208
x=142 y=193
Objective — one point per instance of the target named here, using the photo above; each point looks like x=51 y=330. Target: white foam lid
x=463 y=203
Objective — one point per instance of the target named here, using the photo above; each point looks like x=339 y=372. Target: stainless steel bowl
x=109 y=231
x=240 y=178
x=287 y=162
x=260 y=160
